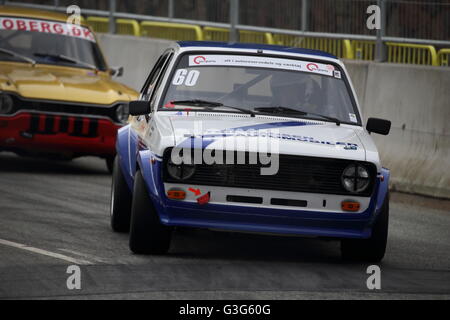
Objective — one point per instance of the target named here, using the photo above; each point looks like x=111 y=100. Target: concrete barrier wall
x=417 y=101
x=415 y=98
x=136 y=55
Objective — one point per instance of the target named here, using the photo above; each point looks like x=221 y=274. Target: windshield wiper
x=18 y=55
x=281 y=109
x=211 y=105
x=62 y=57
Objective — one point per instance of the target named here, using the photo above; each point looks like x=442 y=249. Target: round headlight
x=180 y=171
x=355 y=178
x=6 y=104
x=122 y=113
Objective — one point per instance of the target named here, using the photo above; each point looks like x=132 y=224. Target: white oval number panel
x=188 y=78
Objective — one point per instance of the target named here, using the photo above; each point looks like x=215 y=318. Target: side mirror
x=139 y=107
x=379 y=126
x=116 y=71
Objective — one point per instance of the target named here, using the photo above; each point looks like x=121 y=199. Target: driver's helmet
x=297 y=85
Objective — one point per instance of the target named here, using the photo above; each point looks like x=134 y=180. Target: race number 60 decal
x=188 y=78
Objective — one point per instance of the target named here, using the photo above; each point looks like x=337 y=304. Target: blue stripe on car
x=205 y=140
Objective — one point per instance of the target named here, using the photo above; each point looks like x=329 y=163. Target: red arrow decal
x=204 y=199
x=197 y=192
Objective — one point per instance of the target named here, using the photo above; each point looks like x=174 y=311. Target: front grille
x=73 y=126
x=296 y=173
x=61 y=107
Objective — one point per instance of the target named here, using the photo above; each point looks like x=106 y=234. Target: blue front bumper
x=262 y=220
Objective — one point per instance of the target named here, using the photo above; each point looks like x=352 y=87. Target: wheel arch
x=150 y=167
x=383 y=189
x=382 y=194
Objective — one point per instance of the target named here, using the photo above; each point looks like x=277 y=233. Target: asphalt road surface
x=56 y=214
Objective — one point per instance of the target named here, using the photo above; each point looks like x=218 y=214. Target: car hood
x=287 y=135
x=62 y=83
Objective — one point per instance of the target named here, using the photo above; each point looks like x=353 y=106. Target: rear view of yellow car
x=57 y=96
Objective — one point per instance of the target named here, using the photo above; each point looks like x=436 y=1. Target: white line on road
x=45 y=252
x=84 y=255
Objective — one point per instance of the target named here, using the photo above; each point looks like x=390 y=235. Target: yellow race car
x=57 y=96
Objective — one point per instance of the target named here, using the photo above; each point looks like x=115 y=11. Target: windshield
x=262 y=84
x=48 y=42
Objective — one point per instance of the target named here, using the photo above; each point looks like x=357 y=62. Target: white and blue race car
x=250 y=138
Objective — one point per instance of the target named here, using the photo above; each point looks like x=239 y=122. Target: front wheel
x=373 y=248
x=120 y=200
x=110 y=164
x=147 y=234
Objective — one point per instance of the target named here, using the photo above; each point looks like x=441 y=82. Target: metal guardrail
x=223 y=34
x=363 y=50
x=171 y=31
x=98 y=24
x=398 y=52
x=424 y=19
x=350 y=46
x=339 y=47
x=343 y=48
x=412 y=53
x=140 y=17
x=444 y=57
x=128 y=26
x=123 y=26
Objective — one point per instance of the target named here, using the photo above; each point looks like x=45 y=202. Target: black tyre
x=120 y=200
x=147 y=234
x=110 y=164
x=374 y=248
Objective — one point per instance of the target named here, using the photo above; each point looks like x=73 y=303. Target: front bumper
x=58 y=134
x=271 y=221
x=262 y=220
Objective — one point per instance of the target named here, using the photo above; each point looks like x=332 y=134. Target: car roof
x=14 y=11
x=225 y=45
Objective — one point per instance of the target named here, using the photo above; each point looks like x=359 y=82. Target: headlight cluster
x=355 y=178
x=6 y=103
x=122 y=113
x=180 y=171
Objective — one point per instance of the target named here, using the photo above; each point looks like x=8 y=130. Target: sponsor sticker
x=212 y=134
x=261 y=62
x=44 y=26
